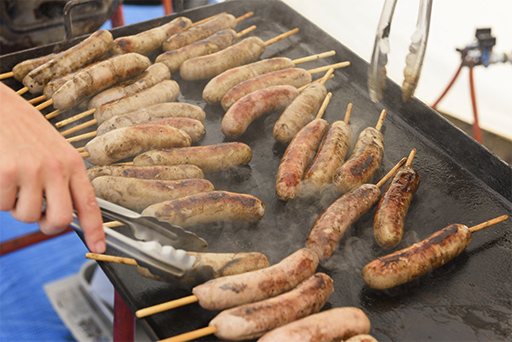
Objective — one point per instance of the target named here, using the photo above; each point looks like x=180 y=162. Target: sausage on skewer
x=228 y=292
x=246 y=51
x=157 y=172
x=365 y=160
x=138 y=194
x=422 y=257
x=388 y=222
x=207 y=207
x=218 y=86
x=330 y=225
x=20 y=70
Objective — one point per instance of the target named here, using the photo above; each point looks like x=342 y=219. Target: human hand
x=36 y=162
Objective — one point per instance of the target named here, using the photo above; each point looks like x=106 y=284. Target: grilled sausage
x=137 y=194
x=219 y=41
x=362 y=338
x=296 y=77
x=22 y=69
x=254 y=105
x=330 y=226
x=210 y=158
x=199 y=32
x=165 y=91
x=150 y=40
x=218 y=86
x=194 y=128
x=363 y=163
x=223 y=264
x=207 y=207
x=329 y=325
x=253 y=320
x=129 y=141
x=296 y=159
x=301 y=111
x=84 y=53
x=154 y=112
x=254 y=286
x=422 y=257
x=330 y=156
x=388 y=223
x=204 y=67
x=154 y=74
x=99 y=77
x=157 y=172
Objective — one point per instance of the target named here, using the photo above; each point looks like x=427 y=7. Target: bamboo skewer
x=281 y=37
x=348 y=113
x=22 y=91
x=78 y=127
x=80 y=149
x=381 y=120
x=166 y=306
x=245 y=16
x=391 y=172
x=82 y=137
x=37 y=99
x=111 y=258
x=75 y=118
x=45 y=104
x=488 y=223
x=314 y=57
x=325 y=68
x=324 y=105
x=192 y=335
x=411 y=157
x=247 y=30
x=5 y=75
x=53 y=114
x=199 y=22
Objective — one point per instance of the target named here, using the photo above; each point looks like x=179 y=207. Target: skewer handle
x=206 y=19
x=314 y=57
x=45 y=104
x=348 y=113
x=324 y=105
x=281 y=36
x=53 y=114
x=327 y=67
x=111 y=258
x=6 y=75
x=78 y=127
x=247 y=30
x=245 y=16
x=37 y=99
x=488 y=223
x=166 y=306
x=192 y=335
x=22 y=91
x=391 y=172
x=381 y=119
x=411 y=157
x=84 y=154
x=315 y=81
x=82 y=137
x=75 y=118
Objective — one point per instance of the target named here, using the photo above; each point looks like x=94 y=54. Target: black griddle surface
x=468 y=299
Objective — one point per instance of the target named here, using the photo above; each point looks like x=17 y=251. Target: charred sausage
x=388 y=223
x=254 y=105
x=150 y=40
x=137 y=194
x=253 y=320
x=301 y=111
x=22 y=69
x=154 y=112
x=99 y=77
x=336 y=324
x=330 y=226
x=199 y=32
x=218 y=86
x=204 y=67
x=154 y=74
x=296 y=77
x=296 y=159
x=206 y=207
x=157 y=172
x=254 y=286
x=84 y=53
x=165 y=91
x=363 y=163
x=129 y=141
x=210 y=158
x=330 y=156
x=422 y=257
x=219 y=41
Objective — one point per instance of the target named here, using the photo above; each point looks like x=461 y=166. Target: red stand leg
x=124 y=321
x=447 y=88
x=167 y=6
x=477 y=132
x=118 y=17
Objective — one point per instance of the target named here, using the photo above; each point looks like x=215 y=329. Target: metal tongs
x=158 y=246
x=414 y=60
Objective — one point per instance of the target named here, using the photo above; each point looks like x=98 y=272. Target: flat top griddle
x=468 y=299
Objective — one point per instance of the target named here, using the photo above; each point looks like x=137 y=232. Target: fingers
x=88 y=211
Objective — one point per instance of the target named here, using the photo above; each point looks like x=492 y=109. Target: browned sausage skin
x=422 y=257
x=363 y=163
x=254 y=105
x=253 y=320
x=218 y=86
x=210 y=158
x=388 y=223
x=22 y=69
x=251 y=287
x=207 y=207
x=330 y=226
x=297 y=157
x=329 y=325
x=157 y=172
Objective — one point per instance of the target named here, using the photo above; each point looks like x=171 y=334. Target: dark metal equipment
x=468 y=299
